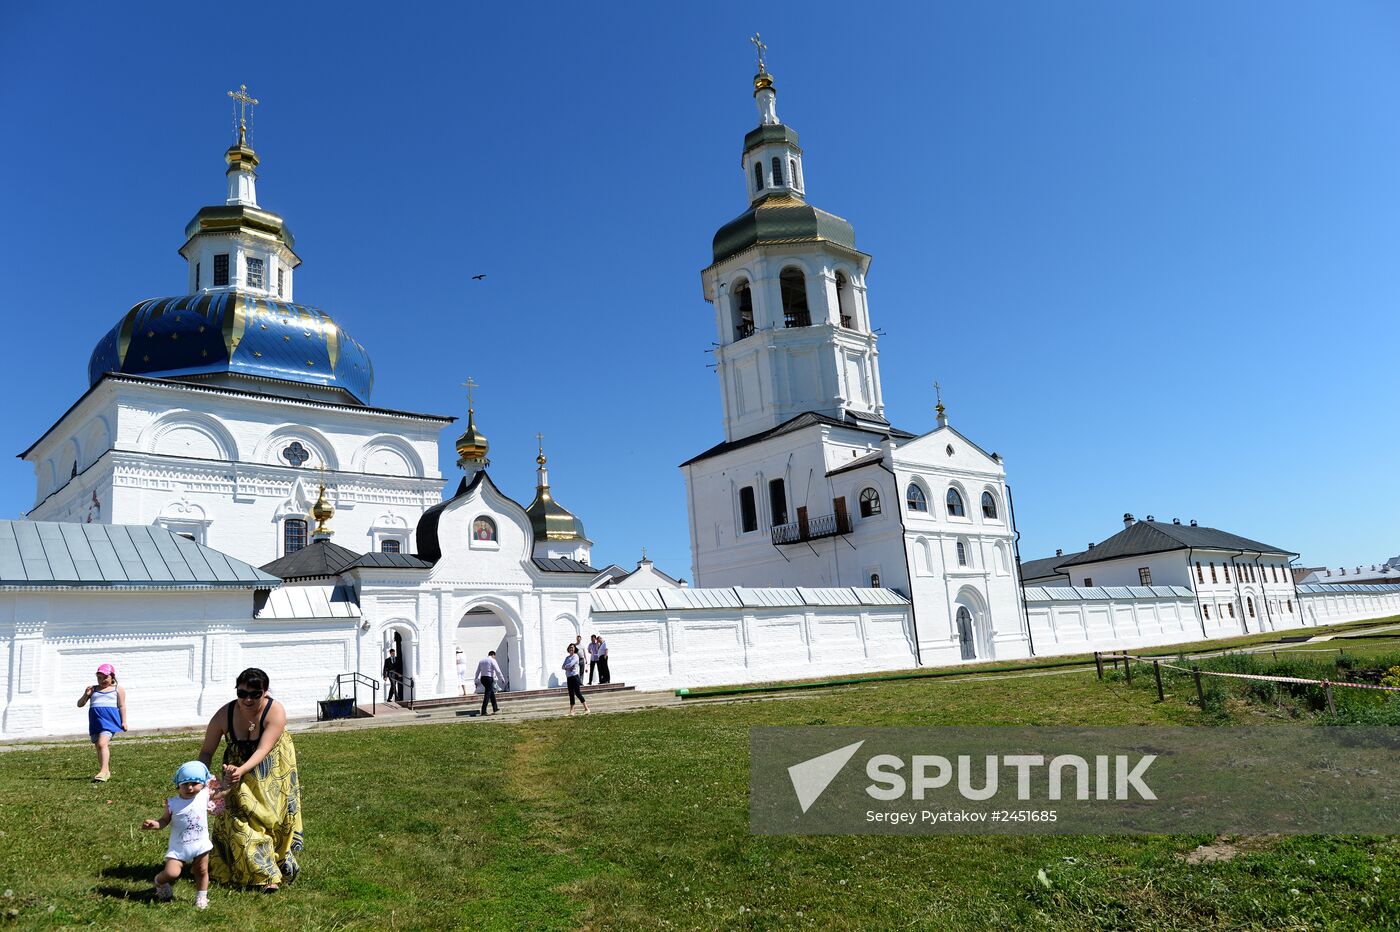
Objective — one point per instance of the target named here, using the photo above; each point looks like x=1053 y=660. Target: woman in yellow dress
x=258 y=835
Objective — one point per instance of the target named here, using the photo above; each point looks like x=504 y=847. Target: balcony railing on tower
x=805 y=528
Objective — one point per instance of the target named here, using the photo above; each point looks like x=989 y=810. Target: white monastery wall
x=660 y=640
x=1330 y=605
x=176 y=652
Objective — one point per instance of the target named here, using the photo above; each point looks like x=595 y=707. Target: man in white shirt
x=592 y=657
x=488 y=674
x=601 y=659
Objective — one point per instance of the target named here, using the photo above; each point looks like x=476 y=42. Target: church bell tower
x=788 y=287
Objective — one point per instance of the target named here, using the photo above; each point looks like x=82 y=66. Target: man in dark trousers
x=604 y=674
x=393 y=676
x=488 y=674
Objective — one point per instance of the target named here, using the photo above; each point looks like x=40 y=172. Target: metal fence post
x=1200 y=691
x=1157 y=672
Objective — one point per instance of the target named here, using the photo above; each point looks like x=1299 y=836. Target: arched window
x=989 y=506
x=844 y=301
x=955 y=504
x=962 y=554
x=757 y=176
x=869 y=503
x=743 y=309
x=874 y=580
x=793 y=285
x=777 y=172
x=1249 y=604
x=293 y=535
x=483 y=528
x=392 y=545
x=914 y=497
x=792 y=173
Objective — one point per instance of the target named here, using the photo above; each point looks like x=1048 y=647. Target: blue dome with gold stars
x=234 y=333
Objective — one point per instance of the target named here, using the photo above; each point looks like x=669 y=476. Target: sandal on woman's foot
x=290 y=870
x=101 y=778
x=270 y=888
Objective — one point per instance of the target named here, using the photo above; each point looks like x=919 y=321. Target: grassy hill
x=639 y=820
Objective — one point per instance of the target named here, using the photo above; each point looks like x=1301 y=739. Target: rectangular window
x=1212 y=573
x=280 y=270
x=1290 y=606
x=1145 y=575
x=1226 y=568
x=1088 y=581
x=1206 y=609
x=1274 y=568
x=1199 y=577
x=777 y=502
x=255 y=273
x=1231 y=606
x=748 y=510
x=390 y=545
x=221 y=270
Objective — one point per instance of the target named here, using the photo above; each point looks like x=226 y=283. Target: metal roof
x=563 y=565
x=60 y=553
x=318 y=559
x=731 y=599
x=1143 y=537
x=397 y=561
x=798 y=422
x=308 y=602
x=1104 y=593
x=1322 y=588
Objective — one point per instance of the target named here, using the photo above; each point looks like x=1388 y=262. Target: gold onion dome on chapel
x=472 y=445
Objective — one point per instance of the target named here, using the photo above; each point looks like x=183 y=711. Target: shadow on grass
x=142 y=872
x=125 y=893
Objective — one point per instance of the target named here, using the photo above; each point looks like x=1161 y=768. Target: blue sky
x=1149 y=250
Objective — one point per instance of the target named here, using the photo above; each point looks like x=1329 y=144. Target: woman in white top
x=461 y=672
x=573 y=669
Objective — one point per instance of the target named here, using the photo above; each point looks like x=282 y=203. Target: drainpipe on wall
x=1016 y=552
x=1263 y=588
x=1239 y=596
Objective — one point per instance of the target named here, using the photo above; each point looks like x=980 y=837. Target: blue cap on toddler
x=192 y=772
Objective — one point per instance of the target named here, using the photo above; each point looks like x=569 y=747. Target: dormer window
x=757 y=176
x=256 y=278
x=221 y=270
x=778 y=172
x=792 y=173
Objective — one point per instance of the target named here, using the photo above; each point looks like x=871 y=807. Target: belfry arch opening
x=845 y=301
x=742 y=297
x=793 y=285
x=482 y=630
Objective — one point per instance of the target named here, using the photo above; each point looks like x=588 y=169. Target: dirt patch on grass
x=1227 y=848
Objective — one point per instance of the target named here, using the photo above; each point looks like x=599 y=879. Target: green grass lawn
x=639 y=820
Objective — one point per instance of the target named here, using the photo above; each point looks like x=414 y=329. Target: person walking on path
x=592 y=657
x=604 y=674
x=106 y=702
x=573 y=666
x=488 y=674
x=462 y=672
x=393 y=676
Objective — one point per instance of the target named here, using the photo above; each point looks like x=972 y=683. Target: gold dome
x=472 y=446
x=322 y=511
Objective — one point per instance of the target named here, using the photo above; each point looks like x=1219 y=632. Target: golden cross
x=938 y=391
x=644 y=553
x=471 y=386
x=540 y=439
x=761 y=48
x=243 y=101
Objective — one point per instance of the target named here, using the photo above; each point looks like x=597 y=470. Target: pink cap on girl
x=108 y=669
